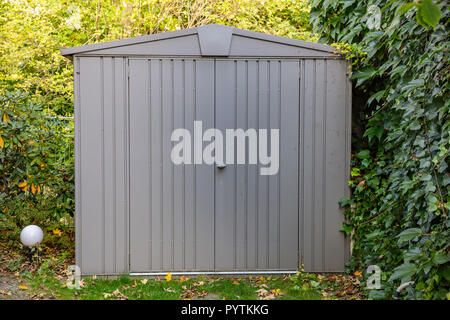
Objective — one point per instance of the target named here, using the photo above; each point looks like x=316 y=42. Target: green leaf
x=377 y=294
x=430 y=187
x=441 y=258
x=430 y=13
x=404 y=272
x=364 y=154
x=409 y=234
x=377 y=96
x=363 y=75
x=404 y=8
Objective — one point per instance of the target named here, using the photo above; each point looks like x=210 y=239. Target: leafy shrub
x=32 y=173
x=398 y=213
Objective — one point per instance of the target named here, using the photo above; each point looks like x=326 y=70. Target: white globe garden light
x=31 y=235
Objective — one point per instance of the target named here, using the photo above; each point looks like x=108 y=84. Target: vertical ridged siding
x=200 y=218
x=196 y=217
x=101 y=165
x=171 y=207
x=324 y=162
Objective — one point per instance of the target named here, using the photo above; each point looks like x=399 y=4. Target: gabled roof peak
x=214 y=40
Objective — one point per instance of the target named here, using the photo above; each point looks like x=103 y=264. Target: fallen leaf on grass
x=144 y=281
x=168 y=277
x=169 y=290
x=116 y=294
x=264 y=294
x=276 y=292
x=357 y=273
x=23 y=287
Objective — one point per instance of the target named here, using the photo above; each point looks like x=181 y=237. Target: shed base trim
x=176 y=273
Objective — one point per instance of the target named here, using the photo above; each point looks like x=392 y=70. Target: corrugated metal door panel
x=178 y=171
x=204 y=174
x=241 y=191
x=257 y=216
x=140 y=204
x=171 y=207
x=289 y=170
x=252 y=175
x=203 y=218
x=189 y=223
x=225 y=214
x=167 y=107
x=153 y=70
x=262 y=184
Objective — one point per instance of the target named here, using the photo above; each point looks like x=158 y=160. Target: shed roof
x=208 y=40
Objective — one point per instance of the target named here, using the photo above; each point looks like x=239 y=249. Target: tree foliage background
x=33 y=31
x=398 y=214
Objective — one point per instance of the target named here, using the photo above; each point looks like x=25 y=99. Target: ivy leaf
x=412 y=254
x=430 y=13
x=409 y=234
x=364 y=154
x=363 y=75
x=430 y=187
x=377 y=96
x=404 y=272
x=441 y=258
x=377 y=294
x=404 y=8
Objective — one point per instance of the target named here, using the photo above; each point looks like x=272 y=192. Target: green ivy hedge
x=398 y=212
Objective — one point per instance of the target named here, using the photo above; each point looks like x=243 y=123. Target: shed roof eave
x=68 y=52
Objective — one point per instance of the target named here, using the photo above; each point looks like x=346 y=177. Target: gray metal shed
x=138 y=212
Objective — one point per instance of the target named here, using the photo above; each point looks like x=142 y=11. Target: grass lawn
x=44 y=286
x=47 y=279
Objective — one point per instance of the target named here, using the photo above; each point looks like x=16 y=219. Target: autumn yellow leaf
x=276 y=291
x=2 y=143
x=5 y=117
x=23 y=287
x=182 y=279
x=23 y=184
x=357 y=273
x=33 y=189
x=168 y=277
x=57 y=232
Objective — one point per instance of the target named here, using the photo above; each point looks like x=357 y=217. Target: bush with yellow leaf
x=32 y=173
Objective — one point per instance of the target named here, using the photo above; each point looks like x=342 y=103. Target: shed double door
x=200 y=217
